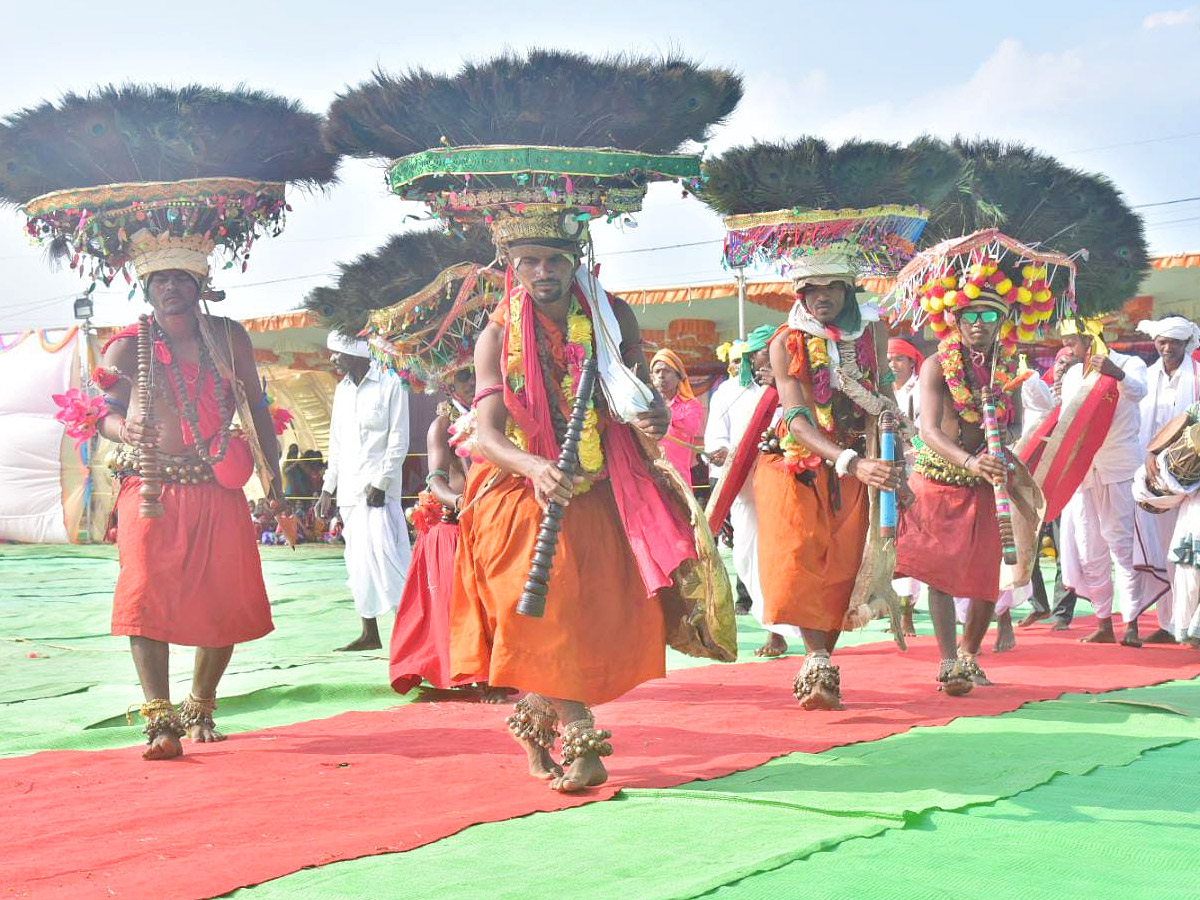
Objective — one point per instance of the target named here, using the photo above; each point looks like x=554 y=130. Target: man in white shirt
x=1173 y=384
x=1097 y=524
x=718 y=443
x=368 y=441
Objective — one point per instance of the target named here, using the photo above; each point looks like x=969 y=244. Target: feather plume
x=136 y=133
x=402 y=266
x=543 y=97
x=966 y=185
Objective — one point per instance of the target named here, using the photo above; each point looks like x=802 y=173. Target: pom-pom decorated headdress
x=154 y=178
x=537 y=145
x=988 y=268
x=420 y=299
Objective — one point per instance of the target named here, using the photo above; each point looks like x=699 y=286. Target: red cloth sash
x=1060 y=450
x=660 y=537
x=738 y=469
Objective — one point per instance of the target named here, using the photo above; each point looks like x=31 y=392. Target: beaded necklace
x=188 y=407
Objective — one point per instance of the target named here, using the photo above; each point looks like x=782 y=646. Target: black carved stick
x=533 y=598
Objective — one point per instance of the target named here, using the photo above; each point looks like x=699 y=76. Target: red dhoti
x=192 y=576
x=949 y=538
x=809 y=547
x=420 y=647
x=600 y=635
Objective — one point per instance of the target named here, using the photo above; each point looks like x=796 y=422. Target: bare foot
x=1130 y=638
x=165 y=746
x=1060 y=625
x=906 y=622
x=1160 y=636
x=1006 y=638
x=585 y=772
x=819 y=698
x=205 y=732
x=953 y=679
x=979 y=677
x=363 y=642
x=541 y=763
x=489 y=694
x=1102 y=635
x=774 y=646
x=1034 y=617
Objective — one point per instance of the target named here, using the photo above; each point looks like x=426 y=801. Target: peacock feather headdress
x=535 y=144
x=153 y=177
x=420 y=299
x=879 y=203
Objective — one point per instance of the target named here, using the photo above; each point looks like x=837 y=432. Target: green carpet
x=67 y=682
x=654 y=845
x=1117 y=834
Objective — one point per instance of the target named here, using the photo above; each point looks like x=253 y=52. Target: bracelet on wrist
x=845 y=458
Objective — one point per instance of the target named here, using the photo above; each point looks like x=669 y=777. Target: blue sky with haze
x=1106 y=86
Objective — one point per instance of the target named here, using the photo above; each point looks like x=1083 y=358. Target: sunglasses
x=986 y=316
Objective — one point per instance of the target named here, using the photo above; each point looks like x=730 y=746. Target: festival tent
x=694 y=319
x=46 y=492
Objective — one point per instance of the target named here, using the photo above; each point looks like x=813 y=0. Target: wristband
x=842 y=465
x=434 y=473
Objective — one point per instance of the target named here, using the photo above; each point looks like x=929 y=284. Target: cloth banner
x=33 y=451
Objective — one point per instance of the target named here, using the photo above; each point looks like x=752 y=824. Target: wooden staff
x=887 y=452
x=533 y=598
x=151 y=488
x=1008 y=544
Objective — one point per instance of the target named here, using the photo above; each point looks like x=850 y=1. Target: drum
x=1182 y=457
x=1169 y=433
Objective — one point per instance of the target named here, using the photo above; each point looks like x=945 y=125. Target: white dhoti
x=377 y=555
x=908 y=588
x=1009 y=599
x=744 y=518
x=1152 y=542
x=1185 y=580
x=1098 y=540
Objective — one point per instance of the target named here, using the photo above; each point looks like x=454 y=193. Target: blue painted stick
x=887 y=452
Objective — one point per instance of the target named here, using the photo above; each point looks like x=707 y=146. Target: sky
x=1106 y=86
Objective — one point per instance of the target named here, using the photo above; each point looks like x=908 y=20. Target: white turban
x=1173 y=327
x=339 y=343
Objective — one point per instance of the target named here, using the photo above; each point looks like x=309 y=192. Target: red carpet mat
x=261 y=805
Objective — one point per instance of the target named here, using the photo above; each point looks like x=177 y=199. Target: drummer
x=1173 y=384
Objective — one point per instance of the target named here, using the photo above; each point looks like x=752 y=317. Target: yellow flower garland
x=591 y=455
x=579 y=333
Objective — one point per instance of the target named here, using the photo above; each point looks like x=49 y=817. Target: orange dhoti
x=192 y=576
x=808 y=551
x=600 y=635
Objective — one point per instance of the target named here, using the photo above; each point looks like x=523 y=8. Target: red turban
x=901 y=347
